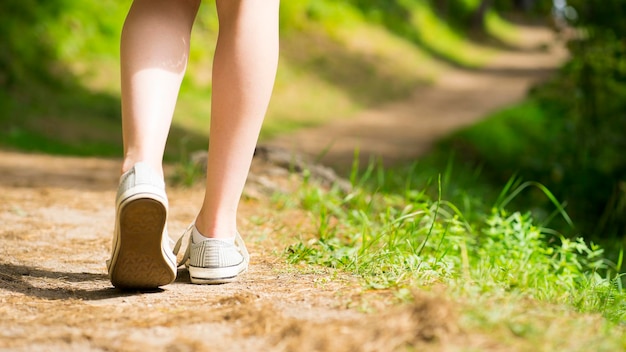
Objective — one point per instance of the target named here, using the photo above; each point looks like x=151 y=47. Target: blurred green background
x=59 y=66
x=59 y=92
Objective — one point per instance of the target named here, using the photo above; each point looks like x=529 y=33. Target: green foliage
x=594 y=116
x=24 y=44
x=43 y=105
x=600 y=16
x=460 y=12
x=569 y=135
x=442 y=34
x=38 y=36
x=394 y=235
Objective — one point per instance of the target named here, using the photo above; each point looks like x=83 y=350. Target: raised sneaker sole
x=140 y=262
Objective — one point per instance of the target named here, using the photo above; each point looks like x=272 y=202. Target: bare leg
x=244 y=69
x=154 y=53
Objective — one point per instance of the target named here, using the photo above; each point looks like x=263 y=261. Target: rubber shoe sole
x=215 y=276
x=140 y=262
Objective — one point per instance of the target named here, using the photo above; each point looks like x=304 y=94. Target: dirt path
x=57 y=218
x=404 y=130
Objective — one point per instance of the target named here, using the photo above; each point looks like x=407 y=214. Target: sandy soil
x=57 y=218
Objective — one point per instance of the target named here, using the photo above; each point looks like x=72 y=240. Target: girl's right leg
x=244 y=69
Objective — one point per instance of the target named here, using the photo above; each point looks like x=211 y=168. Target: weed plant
x=393 y=235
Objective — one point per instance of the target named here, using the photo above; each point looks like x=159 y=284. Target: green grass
x=500 y=262
x=485 y=235
x=532 y=141
x=508 y=145
x=500 y=29
x=27 y=140
x=505 y=134
x=443 y=41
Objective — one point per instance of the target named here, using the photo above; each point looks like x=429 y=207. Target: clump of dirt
x=427 y=323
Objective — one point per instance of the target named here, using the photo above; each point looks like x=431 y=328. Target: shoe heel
x=141 y=263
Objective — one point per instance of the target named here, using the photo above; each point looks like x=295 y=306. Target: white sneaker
x=213 y=261
x=141 y=257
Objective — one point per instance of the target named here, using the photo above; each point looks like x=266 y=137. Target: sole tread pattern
x=140 y=262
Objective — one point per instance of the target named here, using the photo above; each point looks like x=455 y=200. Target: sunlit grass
x=500 y=29
x=440 y=38
x=499 y=261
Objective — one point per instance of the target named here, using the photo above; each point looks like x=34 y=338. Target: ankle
x=199 y=237
x=128 y=164
x=211 y=231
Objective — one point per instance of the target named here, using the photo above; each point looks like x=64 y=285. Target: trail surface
x=404 y=130
x=57 y=218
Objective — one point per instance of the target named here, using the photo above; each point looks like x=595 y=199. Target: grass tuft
x=398 y=237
